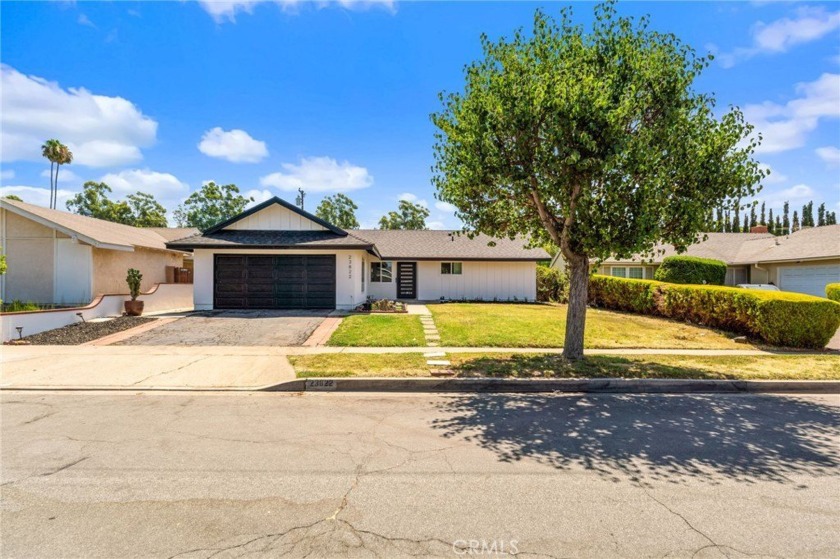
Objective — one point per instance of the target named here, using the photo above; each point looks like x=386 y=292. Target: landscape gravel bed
x=82 y=332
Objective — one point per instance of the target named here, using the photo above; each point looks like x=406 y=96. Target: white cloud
x=165 y=187
x=808 y=24
x=775 y=177
x=227 y=10
x=259 y=196
x=785 y=127
x=436 y=225
x=85 y=20
x=99 y=130
x=236 y=146
x=445 y=207
x=37 y=196
x=829 y=154
x=319 y=174
x=797 y=193
x=7 y=174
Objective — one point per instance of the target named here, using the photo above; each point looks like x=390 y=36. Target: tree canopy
x=57 y=154
x=595 y=141
x=339 y=210
x=407 y=216
x=139 y=210
x=212 y=204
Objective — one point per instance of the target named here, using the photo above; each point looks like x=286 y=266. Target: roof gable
x=275 y=214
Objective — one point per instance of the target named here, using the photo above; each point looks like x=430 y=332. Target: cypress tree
x=764 y=215
x=795 y=222
x=771 y=226
x=785 y=219
x=821 y=215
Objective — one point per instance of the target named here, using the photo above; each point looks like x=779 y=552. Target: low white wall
x=162 y=297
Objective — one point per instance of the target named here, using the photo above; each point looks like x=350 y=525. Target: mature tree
x=146 y=211
x=210 y=205
x=831 y=218
x=795 y=222
x=779 y=228
x=408 y=216
x=736 y=220
x=12 y=197
x=808 y=214
x=753 y=218
x=139 y=210
x=58 y=154
x=770 y=223
x=821 y=215
x=339 y=210
x=595 y=141
x=785 y=219
x=763 y=215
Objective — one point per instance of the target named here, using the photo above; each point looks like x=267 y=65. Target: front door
x=406 y=280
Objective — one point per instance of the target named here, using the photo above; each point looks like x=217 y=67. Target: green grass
x=360 y=364
x=379 y=330
x=535 y=325
x=506 y=365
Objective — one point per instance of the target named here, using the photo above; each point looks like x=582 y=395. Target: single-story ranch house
x=62 y=258
x=277 y=256
x=804 y=261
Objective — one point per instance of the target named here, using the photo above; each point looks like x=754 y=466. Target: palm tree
x=58 y=155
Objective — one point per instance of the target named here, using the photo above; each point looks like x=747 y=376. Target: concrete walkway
x=194 y=368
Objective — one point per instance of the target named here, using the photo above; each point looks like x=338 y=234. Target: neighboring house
x=57 y=257
x=802 y=262
x=276 y=255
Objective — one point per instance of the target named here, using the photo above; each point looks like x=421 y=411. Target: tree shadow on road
x=654 y=438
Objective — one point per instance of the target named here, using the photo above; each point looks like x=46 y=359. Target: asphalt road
x=331 y=475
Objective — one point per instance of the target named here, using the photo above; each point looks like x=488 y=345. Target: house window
x=450 y=268
x=363 y=275
x=632 y=272
x=381 y=272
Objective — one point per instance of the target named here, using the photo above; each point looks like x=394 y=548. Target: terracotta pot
x=134 y=308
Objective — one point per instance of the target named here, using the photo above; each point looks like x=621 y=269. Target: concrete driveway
x=234 y=328
x=196 y=476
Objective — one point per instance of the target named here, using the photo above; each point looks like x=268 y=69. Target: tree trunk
x=576 y=313
x=52 y=172
x=55 y=197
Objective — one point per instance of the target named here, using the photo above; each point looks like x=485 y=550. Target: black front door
x=406 y=280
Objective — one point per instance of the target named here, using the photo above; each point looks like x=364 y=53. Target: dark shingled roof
x=448 y=245
x=390 y=245
x=271 y=239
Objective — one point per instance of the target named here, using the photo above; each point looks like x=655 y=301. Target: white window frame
x=626 y=272
x=453 y=266
x=384 y=265
x=364 y=269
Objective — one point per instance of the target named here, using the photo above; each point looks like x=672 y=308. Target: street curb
x=596 y=385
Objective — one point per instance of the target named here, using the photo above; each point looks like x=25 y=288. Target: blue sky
x=162 y=96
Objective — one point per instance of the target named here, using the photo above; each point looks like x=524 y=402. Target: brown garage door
x=274 y=282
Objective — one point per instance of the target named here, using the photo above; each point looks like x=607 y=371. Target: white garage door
x=808 y=279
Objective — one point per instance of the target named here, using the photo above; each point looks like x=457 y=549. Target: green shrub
x=19 y=306
x=632 y=295
x=133 y=280
x=777 y=318
x=693 y=270
x=552 y=285
x=832 y=291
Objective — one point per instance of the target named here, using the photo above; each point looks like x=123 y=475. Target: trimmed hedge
x=552 y=285
x=832 y=291
x=777 y=318
x=691 y=269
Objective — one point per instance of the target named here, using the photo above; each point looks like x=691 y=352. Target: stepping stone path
x=438 y=367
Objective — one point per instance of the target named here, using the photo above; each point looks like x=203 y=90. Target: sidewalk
x=215 y=367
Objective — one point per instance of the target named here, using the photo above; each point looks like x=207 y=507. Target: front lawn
x=506 y=365
x=534 y=325
x=379 y=330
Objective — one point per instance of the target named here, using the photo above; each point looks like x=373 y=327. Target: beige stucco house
x=802 y=262
x=57 y=257
x=276 y=255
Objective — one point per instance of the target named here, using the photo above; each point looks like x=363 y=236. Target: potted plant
x=133 y=279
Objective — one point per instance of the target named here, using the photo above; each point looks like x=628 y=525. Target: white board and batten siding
x=479 y=280
x=275 y=218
